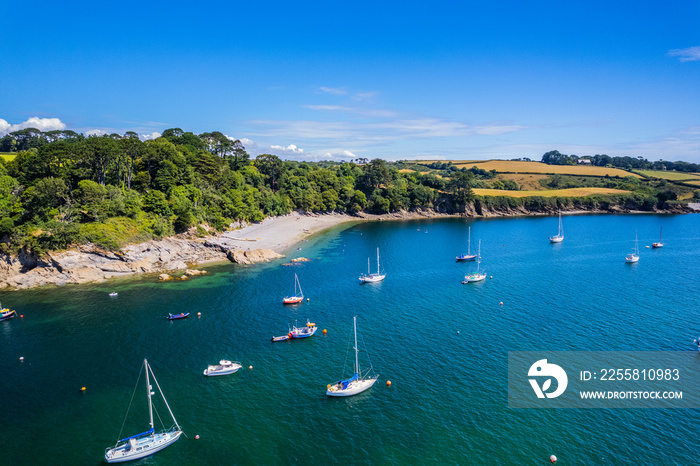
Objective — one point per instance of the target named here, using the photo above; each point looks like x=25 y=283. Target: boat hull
x=466 y=258
x=213 y=372
x=373 y=278
x=8 y=316
x=632 y=259
x=353 y=388
x=556 y=239
x=474 y=278
x=178 y=316
x=657 y=245
x=143 y=447
x=292 y=300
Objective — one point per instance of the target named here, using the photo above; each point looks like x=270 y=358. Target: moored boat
x=633 y=257
x=359 y=382
x=372 y=277
x=182 y=315
x=659 y=244
x=303 y=332
x=223 y=368
x=468 y=256
x=298 y=296
x=559 y=237
x=477 y=276
x=147 y=443
x=7 y=314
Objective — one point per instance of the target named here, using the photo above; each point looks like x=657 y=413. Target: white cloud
x=96 y=132
x=291 y=149
x=689 y=54
x=347 y=153
x=333 y=90
x=4 y=127
x=248 y=143
x=364 y=95
x=153 y=135
x=42 y=124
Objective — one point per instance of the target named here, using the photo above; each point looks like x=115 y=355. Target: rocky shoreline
x=89 y=263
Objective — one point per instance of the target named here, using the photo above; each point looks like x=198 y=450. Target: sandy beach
x=281 y=233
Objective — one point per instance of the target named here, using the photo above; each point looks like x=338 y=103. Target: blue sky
x=395 y=80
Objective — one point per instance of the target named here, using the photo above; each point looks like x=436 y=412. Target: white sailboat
x=358 y=382
x=298 y=295
x=478 y=275
x=468 y=256
x=372 y=277
x=559 y=237
x=634 y=257
x=149 y=442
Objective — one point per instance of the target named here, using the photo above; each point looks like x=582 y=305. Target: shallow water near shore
x=448 y=399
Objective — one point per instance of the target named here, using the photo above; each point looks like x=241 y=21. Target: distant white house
x=584 y=161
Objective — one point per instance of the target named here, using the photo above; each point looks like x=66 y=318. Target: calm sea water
x=448 y=399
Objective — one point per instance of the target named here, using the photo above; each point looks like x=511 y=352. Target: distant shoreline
x=262 y=241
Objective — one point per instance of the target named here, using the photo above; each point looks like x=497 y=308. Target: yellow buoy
x=328 y=386
x=325 y=331
x=196 y=437
x=388 y=383
x=82 y=389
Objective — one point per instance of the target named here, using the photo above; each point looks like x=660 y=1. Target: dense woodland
x=63 y=188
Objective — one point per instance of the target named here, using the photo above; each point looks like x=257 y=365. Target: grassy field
x=509 y=166
x=525 y=181
x=570 y=192
x=673 y=176
x=694 y=183
x=8 y=155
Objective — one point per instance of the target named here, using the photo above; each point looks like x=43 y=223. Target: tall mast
x=148 y=389
x=377 y=261
x=357 y=364
x=469 y=241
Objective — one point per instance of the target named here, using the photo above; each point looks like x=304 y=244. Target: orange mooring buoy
x=388 y=383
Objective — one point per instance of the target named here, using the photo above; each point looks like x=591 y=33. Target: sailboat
x=468 y=256
x=359 y=382
x=477 y=276
x=372 y=277
x=145 y=444
x=298 y=295
x=559 y=237
x=634 y=257
x=659 y=244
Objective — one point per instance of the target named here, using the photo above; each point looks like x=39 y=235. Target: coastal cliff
x=92 y=264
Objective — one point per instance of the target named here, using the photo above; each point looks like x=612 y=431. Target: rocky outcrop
x=251 y=257
x=89 y=263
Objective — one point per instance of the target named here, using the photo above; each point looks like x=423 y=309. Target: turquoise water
x=448 y=399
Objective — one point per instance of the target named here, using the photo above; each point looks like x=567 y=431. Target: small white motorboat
x=223 y=368
x=113 y=294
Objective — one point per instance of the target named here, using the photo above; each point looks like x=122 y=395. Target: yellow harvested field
x=570 y=192
x=674 y=176
x=502 y=166
x=694 y=183
x=8 y=155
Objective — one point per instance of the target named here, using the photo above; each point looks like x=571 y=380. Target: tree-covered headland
x=61 y=188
